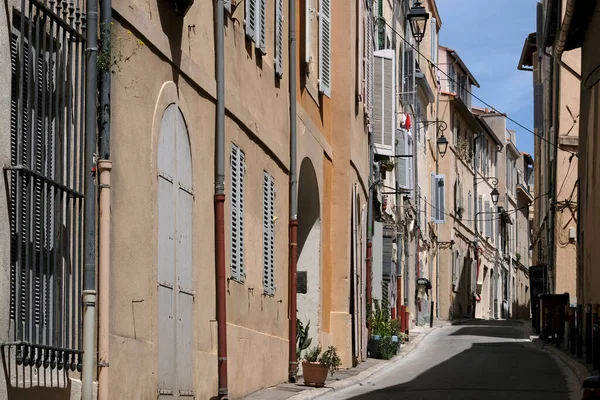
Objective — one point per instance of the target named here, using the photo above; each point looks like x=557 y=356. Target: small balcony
x=524 y=192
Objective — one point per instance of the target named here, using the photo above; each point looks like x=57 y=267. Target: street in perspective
x=481 y=359
x=299 y=199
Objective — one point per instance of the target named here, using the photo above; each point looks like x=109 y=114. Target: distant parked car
x=591 y=387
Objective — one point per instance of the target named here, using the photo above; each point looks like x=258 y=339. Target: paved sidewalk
x=577 y=365
x=346 y=377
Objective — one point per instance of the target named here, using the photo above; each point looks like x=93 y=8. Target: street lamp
x=495 y=195
x=442 y=144
x=418 y=17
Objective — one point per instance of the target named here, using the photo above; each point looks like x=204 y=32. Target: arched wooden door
x=175 y=290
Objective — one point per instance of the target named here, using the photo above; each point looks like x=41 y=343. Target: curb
x=578 y=369
x=339 y=385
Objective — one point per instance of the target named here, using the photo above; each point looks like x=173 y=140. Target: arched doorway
x=174 y=268
x=309 y=250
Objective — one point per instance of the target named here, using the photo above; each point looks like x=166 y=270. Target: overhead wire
x=477 y=97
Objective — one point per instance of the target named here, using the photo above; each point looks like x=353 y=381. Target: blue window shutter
x=325 y=47
x=439 y=193
x=250 y=18
x=433 y=41
x=279 y=38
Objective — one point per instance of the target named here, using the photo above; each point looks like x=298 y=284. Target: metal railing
x=46 y=178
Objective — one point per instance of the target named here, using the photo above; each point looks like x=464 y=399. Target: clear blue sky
x=489 y=35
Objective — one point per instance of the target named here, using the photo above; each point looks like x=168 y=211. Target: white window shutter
x=237 y=214
x=384 y=104
x=440 y=196
x=307 y=31
x=433 y=41
x=411 y=160
x=268 y=234
x=325 y=47
x=402 y=163
x=434 y=197
x=227 y=5
x=279 y=38
x=261 y=33
x=251 y=18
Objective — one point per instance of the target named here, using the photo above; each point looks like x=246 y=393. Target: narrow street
x=481 y=360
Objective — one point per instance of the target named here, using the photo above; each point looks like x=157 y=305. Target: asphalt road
x=482 y=360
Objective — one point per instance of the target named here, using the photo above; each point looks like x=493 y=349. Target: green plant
x=387 y=348
x=303 y=342
x=313 y=355
x=395 y=328
x=110 y=56
x=380 y=320
x=386 y=165
x=463 y=150
x=330 y=359
x=518 y=255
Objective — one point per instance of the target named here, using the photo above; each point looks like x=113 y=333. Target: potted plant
x=385 y=336
x=315 y=368
x=386 y=165
x=302 y=342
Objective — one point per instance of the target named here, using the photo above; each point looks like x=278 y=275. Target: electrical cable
x=478 y=98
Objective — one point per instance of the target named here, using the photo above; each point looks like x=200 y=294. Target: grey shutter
x=261 y=18
x=279 y=38
x=227 y=5
x=175 y=264
x=469 y=206
x=409 y=77
x=237 y=214
x=268 y=234
x=440 y=196
x=410 y=161
x=183 y=258
x=487 y=218
x=369 y=67
x=166 y=251
x=384 y=105
x=388 y=235
x=479 y=210
x=325 y=47
x=402 y=163
x=452 y=78
x=251 y=18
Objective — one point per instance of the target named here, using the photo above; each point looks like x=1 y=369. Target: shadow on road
x=498 y=370
x=498 y=332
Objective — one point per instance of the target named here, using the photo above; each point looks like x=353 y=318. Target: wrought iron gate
x=46 y=179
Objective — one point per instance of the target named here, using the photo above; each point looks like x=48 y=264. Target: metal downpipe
x=104 y=169
x=293 y=362
x=219 y=201
x=89 y=268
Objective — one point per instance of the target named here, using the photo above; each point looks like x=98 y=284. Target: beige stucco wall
x=187 y=79
x=589 y=276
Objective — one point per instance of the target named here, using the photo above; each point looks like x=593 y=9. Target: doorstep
x=344 y=377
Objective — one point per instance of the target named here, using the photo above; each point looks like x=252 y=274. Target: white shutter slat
x=433 y=41
x=250 y=18
x=279 y=38
x=307 y=31
x=378 y=100
x=325 y=47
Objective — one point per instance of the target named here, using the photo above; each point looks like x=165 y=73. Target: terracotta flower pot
x=315 y=374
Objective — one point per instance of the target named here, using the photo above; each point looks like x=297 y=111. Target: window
x=279 y=53
x=433 y=56
x=439 y=198
x=479 y=210
x=324 y=47
x=384 y=106
x=256 y=21
x=238 y=169
x=452 y=78
x=470 y=207
x=269 y=234
x=45 y=198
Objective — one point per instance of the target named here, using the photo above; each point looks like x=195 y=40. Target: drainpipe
x=437 y=253
x=369 y=260
x=293 y=362
x=89 y=268
x=219 y=200
x=562 y=37
x=476 y=239
x=105 y=167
